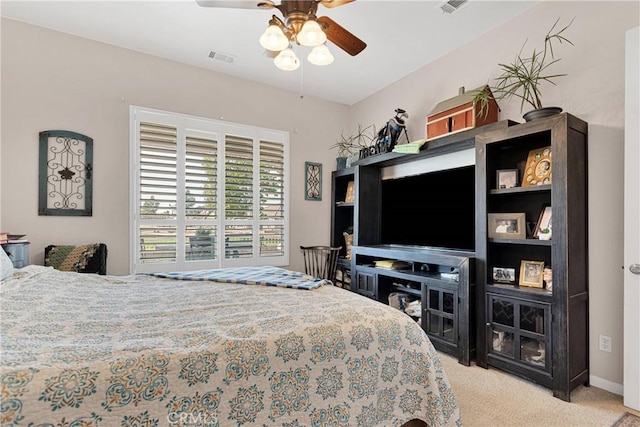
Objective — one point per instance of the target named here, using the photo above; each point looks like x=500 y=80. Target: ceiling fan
x=300 y=26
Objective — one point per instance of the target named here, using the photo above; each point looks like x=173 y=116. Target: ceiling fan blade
x=341 y=37
x=335 y=3
x=237 y=4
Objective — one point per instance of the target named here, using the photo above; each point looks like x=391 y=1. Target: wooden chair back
x=321 y=261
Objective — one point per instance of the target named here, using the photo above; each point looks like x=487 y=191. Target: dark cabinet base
x=439 y=279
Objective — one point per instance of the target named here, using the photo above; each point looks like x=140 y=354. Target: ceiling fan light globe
x=311 y=34
x=320 y=55
x=274 y=39
x=287 y=60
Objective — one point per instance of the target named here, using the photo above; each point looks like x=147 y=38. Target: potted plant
x=349 y=146
x=523 y=77
x=545 y=234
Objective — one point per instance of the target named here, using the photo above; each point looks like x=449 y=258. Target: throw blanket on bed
x=266 y=276
x=71 y=258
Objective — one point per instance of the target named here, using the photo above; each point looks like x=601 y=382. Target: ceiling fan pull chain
x=301 y=79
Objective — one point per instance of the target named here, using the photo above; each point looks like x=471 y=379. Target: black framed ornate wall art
x=313 y=181
x=66 y=174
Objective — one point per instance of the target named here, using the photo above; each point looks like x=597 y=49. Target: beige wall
x=55 y=81
x=52 y=80
x=593 y=91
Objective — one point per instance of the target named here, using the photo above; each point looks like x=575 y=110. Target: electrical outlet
x=605 y=343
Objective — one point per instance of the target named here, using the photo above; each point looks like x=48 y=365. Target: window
x=206 y=194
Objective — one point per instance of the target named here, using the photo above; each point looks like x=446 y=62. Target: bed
x=89 y=350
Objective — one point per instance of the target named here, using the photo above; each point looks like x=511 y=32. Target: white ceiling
x=401 y=37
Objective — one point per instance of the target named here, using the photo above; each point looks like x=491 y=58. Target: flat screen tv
x=435 y=209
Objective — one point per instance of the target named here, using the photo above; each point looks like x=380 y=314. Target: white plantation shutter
x=157 y=193
x=201 y=196
x=207 y=194
x=238 y=197
x=272 y=203
x=201 y=178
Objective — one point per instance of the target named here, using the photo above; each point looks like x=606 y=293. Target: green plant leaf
x=522 y=77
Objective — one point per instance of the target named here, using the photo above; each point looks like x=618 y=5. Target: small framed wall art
x=506 y=226
x=531 y=273
x=66 y=174
x=312 y=181
x=538 y=170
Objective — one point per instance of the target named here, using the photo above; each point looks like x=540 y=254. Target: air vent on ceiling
x=451 y=6
x=220 y=56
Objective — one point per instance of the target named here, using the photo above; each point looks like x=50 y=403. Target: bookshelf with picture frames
x=531 y=252
x=352 y=211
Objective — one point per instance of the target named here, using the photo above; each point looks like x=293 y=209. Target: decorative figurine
x=390 y=133
x=348 y=241
x=548 y=278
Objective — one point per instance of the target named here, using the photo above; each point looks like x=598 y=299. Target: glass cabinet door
x=442 y=314
x=502 y=315
x=533 y=336
x=520 y=330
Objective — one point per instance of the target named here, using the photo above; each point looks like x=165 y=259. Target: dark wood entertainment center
x=530 y=332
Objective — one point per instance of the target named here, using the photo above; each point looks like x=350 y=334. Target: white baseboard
x=606 y=385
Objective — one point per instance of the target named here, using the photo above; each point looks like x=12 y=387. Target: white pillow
x=6 y=266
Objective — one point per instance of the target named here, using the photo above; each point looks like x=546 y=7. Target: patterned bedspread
x=82 y=349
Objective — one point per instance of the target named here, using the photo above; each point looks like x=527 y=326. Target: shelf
x=344 y=204
x=443 y=145
x=530 y=242
x=523 y=292
x=518 y=190
x=419 y=254
x=407 y=290
x=434 y=278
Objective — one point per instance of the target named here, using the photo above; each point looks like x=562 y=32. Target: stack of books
x=392 y=265
x=411 y=147
x=11 y=238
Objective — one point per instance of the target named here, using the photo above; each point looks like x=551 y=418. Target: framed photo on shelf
x=506 y=178
x=504 y=275
x=538 y=169
x=531 y=273
x=350 y=197
x=544 y=222
x=506 y=226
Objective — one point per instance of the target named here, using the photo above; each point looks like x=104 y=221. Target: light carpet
x=490 y=397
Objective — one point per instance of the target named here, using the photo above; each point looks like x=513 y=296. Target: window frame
x=187 y=125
